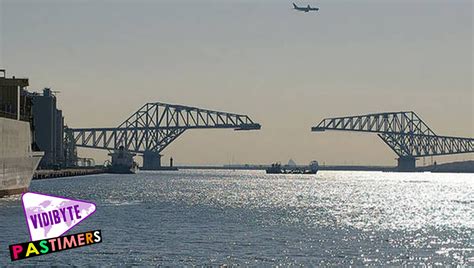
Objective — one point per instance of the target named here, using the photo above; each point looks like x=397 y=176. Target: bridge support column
x=406 y=163
x=151 y=161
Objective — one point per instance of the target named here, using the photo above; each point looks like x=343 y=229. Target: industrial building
x=48 y=123
x=14 y=97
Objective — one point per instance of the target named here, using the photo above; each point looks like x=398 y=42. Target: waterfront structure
x=18 y=161
x=49 y=128
x=404 y=132
x=153 y=127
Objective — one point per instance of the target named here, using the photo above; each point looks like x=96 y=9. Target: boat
x=18 y=161
x=122 y=162
x=277 y=168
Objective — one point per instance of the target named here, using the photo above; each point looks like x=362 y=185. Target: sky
x=287 y=70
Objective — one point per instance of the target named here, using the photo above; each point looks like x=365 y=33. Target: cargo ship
x=277 y=168
x=122 y=162
x=18 y=161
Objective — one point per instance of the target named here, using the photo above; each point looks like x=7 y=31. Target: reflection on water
x=247 y=217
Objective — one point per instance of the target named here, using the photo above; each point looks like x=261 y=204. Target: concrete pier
x=151 y=161
x=406 y=164
x=70 y=172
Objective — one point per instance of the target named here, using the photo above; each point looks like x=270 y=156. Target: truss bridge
x=404 y=132
x=155 y=126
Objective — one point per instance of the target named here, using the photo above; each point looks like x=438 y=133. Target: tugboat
x=122 y=162
x=277 y=168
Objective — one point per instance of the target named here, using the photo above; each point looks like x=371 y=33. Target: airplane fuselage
x=305 y=9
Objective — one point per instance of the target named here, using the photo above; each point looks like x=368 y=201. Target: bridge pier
x=406 y=163
x=151 y=161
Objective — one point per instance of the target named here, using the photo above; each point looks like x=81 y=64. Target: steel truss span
x=404 y=132
x=155 y=125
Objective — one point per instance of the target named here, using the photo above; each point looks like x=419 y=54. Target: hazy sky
x=287 y=70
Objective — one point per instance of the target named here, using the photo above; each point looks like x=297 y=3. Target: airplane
x=305 y=9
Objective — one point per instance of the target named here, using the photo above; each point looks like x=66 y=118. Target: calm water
x=196 y=217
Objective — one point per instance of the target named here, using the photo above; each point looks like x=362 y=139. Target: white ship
x=18 y=162
x=292 y=168
x=122 y=162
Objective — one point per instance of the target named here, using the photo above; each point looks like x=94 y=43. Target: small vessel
x=122 y=162
x=277 y=168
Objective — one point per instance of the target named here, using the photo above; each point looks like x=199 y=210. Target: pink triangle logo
x=50 y=216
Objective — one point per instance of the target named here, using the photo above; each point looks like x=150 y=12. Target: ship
x=122 y=162
x=277 y=168
x=18 y=161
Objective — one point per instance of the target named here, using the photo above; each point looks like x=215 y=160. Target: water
x=194 y=217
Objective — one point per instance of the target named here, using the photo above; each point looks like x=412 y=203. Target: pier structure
x=404 y=132
x=155 y=126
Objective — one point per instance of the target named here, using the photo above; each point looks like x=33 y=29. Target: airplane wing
x=298 y=8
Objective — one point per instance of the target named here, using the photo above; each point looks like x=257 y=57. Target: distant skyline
x=287 y=70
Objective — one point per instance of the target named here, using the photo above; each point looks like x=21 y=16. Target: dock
x=70 y=172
